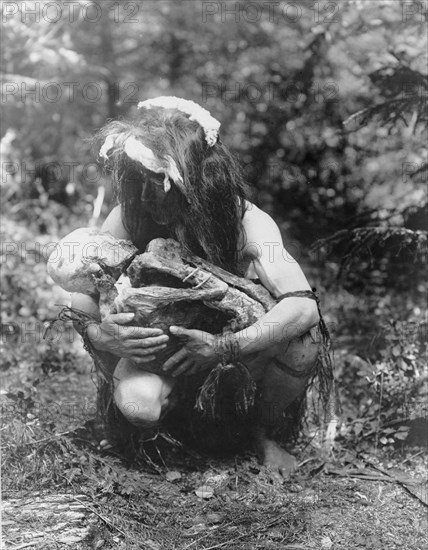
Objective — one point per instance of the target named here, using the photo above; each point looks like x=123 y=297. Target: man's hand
x=135 y=343
x=198 y=352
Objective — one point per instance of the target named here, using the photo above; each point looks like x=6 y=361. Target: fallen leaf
x=217 y=479
x=375 y=542
x=214 y=518
x=198 y=520
x=173 y=475
x=326 y=542
x=275 y=534
x=204 y=491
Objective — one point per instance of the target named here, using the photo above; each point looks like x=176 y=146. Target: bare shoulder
x=254 y=214
x=114 y=224
x=259 y=226
x=278 y=271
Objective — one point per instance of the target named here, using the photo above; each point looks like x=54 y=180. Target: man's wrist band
x=299 y=294
x=226 y=347
x=84 y=321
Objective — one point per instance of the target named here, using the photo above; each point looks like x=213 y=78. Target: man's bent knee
x=140 y=396
x=137 y=404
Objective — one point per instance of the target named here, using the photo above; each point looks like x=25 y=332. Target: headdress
x=140 y=153
x=197 y=113
x=137 y=151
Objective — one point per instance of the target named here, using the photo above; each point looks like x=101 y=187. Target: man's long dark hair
x=205 y=213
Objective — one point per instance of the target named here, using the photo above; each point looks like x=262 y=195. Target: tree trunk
x=42 y=520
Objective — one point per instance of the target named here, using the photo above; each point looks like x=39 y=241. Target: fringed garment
x=215 y=412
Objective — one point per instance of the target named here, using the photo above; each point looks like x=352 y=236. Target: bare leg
x=279 y=389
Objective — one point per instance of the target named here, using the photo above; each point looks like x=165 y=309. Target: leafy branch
x=404 y=90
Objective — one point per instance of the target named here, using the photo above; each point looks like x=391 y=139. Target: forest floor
x=65 y=488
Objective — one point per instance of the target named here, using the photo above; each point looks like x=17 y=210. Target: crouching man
x=175 y=178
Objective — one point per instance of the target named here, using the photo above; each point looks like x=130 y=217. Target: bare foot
x=276 y=459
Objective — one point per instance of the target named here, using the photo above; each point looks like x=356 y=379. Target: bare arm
x=89 y=305
x=279 y=273
x=111 y=337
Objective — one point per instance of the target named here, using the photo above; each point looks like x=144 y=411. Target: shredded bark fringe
x=244 y=390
